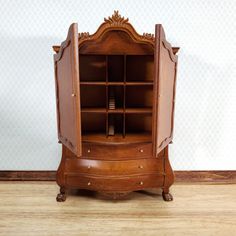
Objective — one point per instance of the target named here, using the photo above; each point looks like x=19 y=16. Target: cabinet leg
x=61 y=197
x=166 y=195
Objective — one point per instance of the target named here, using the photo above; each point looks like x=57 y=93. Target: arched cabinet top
x=116 y=23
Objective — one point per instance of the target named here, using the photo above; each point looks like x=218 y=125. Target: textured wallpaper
x=205 y=115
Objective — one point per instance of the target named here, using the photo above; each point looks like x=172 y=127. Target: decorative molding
x=168 y=47
x=116 y=22
x=210 y=176
x=84 y=35
x=116 y=19
x=64 y=45
x=149 y=36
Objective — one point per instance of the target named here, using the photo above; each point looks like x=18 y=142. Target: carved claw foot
x=61 y=197
x=167 y=196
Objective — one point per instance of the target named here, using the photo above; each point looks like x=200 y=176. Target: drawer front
x=103 y=167
x=128 y=183
x=113 y=152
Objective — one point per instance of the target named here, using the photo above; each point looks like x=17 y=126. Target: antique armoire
x=115 y=97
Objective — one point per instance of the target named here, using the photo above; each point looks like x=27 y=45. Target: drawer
x=116 y=151
x=103 y=167
x=128 y=183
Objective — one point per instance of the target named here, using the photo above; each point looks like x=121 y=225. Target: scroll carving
x=148 y=36
x=84 y=35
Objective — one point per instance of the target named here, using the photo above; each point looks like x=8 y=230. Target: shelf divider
x=107 y=116
x=124 y=95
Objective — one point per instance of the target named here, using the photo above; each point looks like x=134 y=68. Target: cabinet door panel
x=164 y=91
x=66 y=63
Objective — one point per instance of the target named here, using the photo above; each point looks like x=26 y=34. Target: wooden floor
x=29 y=208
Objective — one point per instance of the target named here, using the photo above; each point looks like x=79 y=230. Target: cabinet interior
x=116 y=96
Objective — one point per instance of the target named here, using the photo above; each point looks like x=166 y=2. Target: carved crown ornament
x=116 y=21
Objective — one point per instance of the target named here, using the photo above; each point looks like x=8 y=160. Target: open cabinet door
x=66 y=63
x=164 y=91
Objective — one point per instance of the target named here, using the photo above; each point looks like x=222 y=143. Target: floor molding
x=207 y=176
x=28 y=175
x=227 y=177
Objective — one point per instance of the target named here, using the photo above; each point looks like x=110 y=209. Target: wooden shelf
x=139 y=83
x=98 y=83
x=101 y=83
x=118 y=110
x=93 y=110
x=118 y=138
x=138 y=110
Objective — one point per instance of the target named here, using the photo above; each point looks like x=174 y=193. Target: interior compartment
x=92 y=68
x=93 y=123
x=117 y=120
x=138 y=123
x=139 y=96
x=115 y=97
x=93 y=96
x=115 y=68
x=139 y=68
x=115 y=124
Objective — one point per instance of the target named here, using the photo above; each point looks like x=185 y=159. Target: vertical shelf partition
x=124 y=99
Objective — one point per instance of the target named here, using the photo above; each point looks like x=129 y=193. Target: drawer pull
x=141 y=150
x=140 y=167
x=89 y=167
x=88 y=150
x=89 y=183
x=141 y=183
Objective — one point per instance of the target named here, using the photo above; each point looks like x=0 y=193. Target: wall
x=205 y=124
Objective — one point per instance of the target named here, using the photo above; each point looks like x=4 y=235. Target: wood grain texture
x=211 y=176
x=29 y=208
x=115 y=53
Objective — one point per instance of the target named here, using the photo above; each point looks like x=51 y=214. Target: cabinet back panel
x=136 y=123
x=139 y=96
x=92 y=67
x=93 y=123
x=140 y=68
x=93 y=96
x=115 y=68
x=118 y=93
x=115 y=42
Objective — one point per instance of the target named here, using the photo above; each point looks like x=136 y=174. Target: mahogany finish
x=115 y=94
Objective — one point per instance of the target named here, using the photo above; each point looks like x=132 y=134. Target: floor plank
x=29 y=208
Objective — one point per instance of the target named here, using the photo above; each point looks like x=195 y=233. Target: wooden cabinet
x=115 y=93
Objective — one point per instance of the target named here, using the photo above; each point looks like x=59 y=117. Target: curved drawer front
x=99 y=151
x=128 y=183
x=103 y=167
